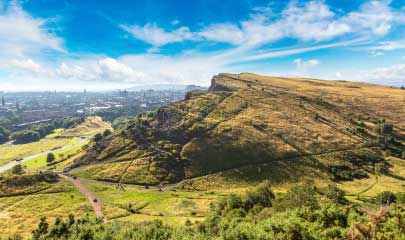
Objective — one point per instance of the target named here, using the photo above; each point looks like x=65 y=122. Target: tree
x=263 y=196
x=17 y=169
x=107 y=133
x=386 y=198
x=25 y=136
x=41 y=230
x=97 y=137
x=50 y=157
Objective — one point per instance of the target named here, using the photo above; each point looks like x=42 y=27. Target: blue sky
x=76 y=44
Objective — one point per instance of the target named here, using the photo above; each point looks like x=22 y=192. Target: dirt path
x=78 y=183
x=4 y=213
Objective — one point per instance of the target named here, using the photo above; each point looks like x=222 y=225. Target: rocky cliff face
x=243 y=120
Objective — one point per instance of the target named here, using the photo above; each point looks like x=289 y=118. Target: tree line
x=37 y=131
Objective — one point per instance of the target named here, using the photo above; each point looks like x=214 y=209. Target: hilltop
x=257 y=127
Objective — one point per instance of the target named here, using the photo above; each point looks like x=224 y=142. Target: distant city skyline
x=105 y=45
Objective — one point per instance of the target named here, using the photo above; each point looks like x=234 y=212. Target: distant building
x=123 y=93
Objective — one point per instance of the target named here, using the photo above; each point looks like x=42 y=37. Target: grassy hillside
x=89 y=128
x=257 y=128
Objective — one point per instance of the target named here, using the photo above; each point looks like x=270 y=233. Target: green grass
x=10 y=153
x=62 y=154
x=55 y=133
x=151 y=203
x=21 y=214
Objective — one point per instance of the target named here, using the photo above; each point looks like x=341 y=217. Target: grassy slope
x=20 y=214
x=89 y=128
x=257 y=121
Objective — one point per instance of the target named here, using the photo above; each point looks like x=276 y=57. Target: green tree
x=50 y=157
x=41 y=230
x=107 y=133
x=17 y=169
x=386 y=198
x=97 y=137
x=263 y=196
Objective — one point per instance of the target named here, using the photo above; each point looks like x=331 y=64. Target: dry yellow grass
x=90 y=127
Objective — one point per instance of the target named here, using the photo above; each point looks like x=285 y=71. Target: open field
x=9 y=153
x=18 y=215
x=171 y=206
x=60 y=155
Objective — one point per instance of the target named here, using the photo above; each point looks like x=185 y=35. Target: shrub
x=50 y=157
x=335 y=194
x=25 y=136
x=263 y=196
x=385 y=198
x=107 y=133
x=400 y=198
x=17 y=169
x=97 y=137
x=299 y=196
x=386 y=128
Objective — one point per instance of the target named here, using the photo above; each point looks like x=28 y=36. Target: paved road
x=14 y=163
x=97 y=206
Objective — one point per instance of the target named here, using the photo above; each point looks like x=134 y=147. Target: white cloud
x=223 y=33
x=392 y=75
x=103 y=69
x=27 y=65
x=306 y=64
x=175 y=22
x=376 y=16
x=307 y=21
x=116 y=71
x=388 y=46
x=376 y=53
x=157 y=36
x=22 y=34
x=75 y=72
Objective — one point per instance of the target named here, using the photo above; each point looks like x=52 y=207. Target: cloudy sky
x=76 y=44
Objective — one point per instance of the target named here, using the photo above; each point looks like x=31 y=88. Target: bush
x=17 y=170
x=50 y=157
x=335 y=194
x=107 y=133
x=300 y=196
x=97 y=137
x=400 y=198
x=345 y=173
x=25 y=136
x=263 y=196
x=385 y=198
x=386 y=128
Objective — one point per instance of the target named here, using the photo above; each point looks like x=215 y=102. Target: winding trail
x=6 y=210
x=78 y=183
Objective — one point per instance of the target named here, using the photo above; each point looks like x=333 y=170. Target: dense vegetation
x=20 y=183
x=38 y=131
x=304 y=212
x=114 y=113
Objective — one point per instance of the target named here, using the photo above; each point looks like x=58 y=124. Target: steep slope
x=334 y=129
